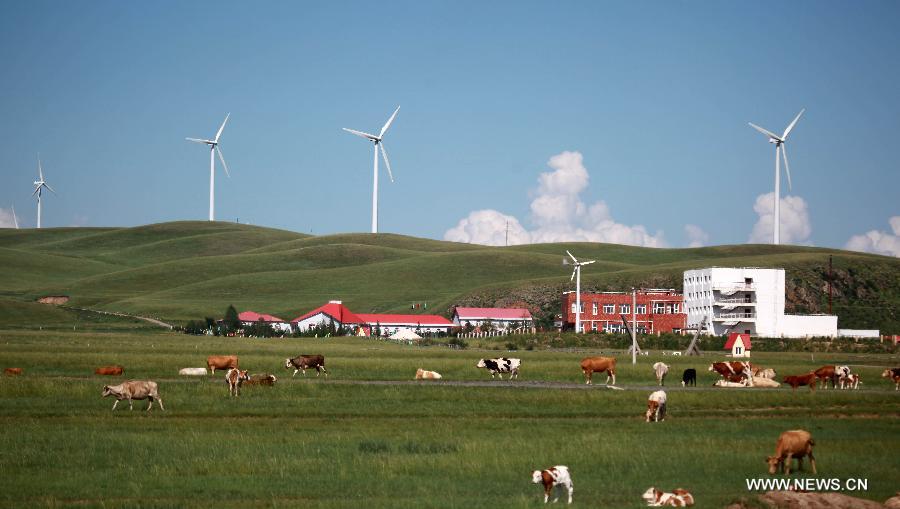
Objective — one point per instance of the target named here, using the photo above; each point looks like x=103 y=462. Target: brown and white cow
x=221 y=362
x=729 y=370
x=304 y=362
x=12 y=371
x=131 y=390
x=678 y=498
x=795 y=381
x=591 y=365
x=792 y=444
x=656 y=407
x=422 y=374
x=893 y=374
x=234 y=378
x=824 y=374
x=114 y=370
x=553 y=477
x=850 y=381
x=265 y=379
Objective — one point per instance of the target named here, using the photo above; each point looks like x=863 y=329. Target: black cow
x=500 y=366
x=304 y=362
x=689 y=377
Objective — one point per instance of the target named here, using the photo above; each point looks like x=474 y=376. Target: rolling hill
x=186 y=270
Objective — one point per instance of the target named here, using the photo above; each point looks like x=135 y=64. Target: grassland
x=358 y=439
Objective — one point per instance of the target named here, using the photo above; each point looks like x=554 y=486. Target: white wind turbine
x=15 y=219
x=39 y=185
x=576 y=275
x=213 y=150
x=378 y=141
x=779 y=142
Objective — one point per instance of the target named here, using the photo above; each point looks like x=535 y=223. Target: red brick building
x=657 y=311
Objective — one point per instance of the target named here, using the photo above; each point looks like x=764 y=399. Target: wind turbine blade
x=388 y=123
x=386 y=162
x=787 y=169
x=362 y=134
x=572 y=257
x=38 y=188
x=15 y=219
x=50 y=188
x=219 y=153
x=573 y=273
x=767 y=133
x=40 y=169
x=588 y=263
x=219 y=132
x=788 y=130
x=198 y=140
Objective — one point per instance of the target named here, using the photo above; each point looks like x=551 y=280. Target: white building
x=749 y=301
x=501 y=318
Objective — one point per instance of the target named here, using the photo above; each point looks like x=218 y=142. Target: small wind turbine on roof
x=213 y=150
x=39 y=185
x=378 y=142
x=576 y=275
x=779 y=142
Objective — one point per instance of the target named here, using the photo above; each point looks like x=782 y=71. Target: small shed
x=739 y=344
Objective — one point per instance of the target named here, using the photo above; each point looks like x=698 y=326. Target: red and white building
x=657 y=311
x=248 y=318
x=501 y=318
x=335 y=312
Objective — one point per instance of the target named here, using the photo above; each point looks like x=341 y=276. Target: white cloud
x=6 y=219
x=878 y=242
x=696 y=236
x=557 y=213
x=795 y=225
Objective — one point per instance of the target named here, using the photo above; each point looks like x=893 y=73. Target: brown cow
x=798 y=380
x=265 y=379
x=893 y=374
x=12 y=371
x=826 y=373
x=792 y=444
x=110 y=370
x=591 y=365
x=134 y=389
x=214 y=362
x=235 y=378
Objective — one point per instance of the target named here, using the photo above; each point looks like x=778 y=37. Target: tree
x=231 y=321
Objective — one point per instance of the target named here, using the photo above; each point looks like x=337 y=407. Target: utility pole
x=829 y=284
x=634 y=346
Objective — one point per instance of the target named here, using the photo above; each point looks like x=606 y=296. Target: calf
x=656 y=407
x=192 y=371
x=850 y=381
x=235 y=378
x=131 y=390
x=110 y=370
x=553 y=477
x=422 y=374
x=214 y=362
x=826 y=373
x=678 y=498
x=689 y=377
x=304 y=362
x=501 y=365
x=591 y=365
x=12 y=371
x=795 y=381
x=265 y=379
x=660 y=369
x=792 y=444
x=893 y=374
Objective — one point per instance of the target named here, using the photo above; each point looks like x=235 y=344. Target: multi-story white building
x=749 y=301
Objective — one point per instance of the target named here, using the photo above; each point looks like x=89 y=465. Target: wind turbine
x=39 y=185
x=576 y=275
x=15 y=219
x=378 y=141
x=779 y=142
x=213 y=150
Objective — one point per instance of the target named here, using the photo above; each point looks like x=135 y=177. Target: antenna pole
x=830 y=291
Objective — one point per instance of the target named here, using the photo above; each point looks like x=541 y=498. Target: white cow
x=192 y=371
x=553 y=477
x=131 y=390
x=661 y=369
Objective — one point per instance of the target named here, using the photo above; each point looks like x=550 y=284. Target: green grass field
x=357 y=439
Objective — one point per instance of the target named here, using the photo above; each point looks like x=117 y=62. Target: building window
x=594 y=324
x=658 y=308
x=573 y=308
x=641 y=309
x=676 y=307
x=594 y=308
x=625 y=308
x=609 y=308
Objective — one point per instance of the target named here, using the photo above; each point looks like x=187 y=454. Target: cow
x=729 y=369
x=809 y=379
x=304 y=362
x=214 y=362
x=500 y=365
x=660 y=369
x=265 y=379
x=689 y=377
x=557 y=476
x=678 y=498
x=723 y=382
x=826 y=373
x=131 y=390
x=764 y=373
x=422 y=374
x=234 y=378
x=12 y=371
x=759 y=381
x=591 y=365
x=192 y=371
x=114 y=370
x=792 y=444
x=850 y=381
x=656 y=407
x=893 y=374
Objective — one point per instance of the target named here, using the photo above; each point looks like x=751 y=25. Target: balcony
x=734 y=300
x=744 y=317
x=732 y=288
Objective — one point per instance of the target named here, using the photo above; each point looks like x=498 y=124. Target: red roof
x=734 y=336
x=336 y=311
x=252 y=316
x=493 y=313
x=372 y=319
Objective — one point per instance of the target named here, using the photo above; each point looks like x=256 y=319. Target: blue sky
x=655 y=97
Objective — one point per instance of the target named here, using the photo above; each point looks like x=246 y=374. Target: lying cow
x=660 y=369
x=222 y=362
x=826 y=373
x=591 y=365
x=265 y=379
x=656 y=407
x=689 y=377
x=235 y=378
x=893 y=374
x=192 y=371
x=304 y=362
x=501 y=365
x=114 y=370
x=764 y=373
x=557 y=476
x=678 y=498
x=795 y=381
x=759 y=381
x=12 y=371
x=131 y=390
x=850 y=381
x=792 y=444
x=422 y=374
x=743 y=382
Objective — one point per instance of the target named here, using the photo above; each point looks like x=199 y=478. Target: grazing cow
x=689 y=377
x=131 y=390
x=223 y=362
x=729 y=369
x=656 y=407
x=110 y=370
x=265 y=379
x=660 y=369
x=192 y=371
x=501 y=365
x=553 y=477
x=678 y=498
x=792 y=444
x=842 y=371
x=304 y=362
x=893 y=374
x=850 y=381
x=422 y=374
x=235 y=378
x=12 y=371
x=591 y=365
x=826 y=373
x=809 y=379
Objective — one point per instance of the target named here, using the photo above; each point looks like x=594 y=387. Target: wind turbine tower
x=576 y=275
x=379 y=142
x=213 y=150
x=39 y=186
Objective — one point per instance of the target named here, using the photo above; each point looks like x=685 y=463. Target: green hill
x=187 y=270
